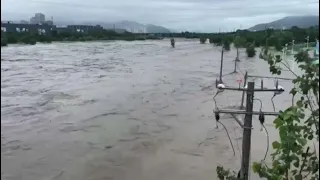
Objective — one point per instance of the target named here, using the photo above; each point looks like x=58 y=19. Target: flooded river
x=123 y=111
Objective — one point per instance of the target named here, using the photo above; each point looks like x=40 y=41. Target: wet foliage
x=298 y=126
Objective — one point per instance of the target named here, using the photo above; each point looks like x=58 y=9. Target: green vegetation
x=239 y=42
x=298 y=124
x=251 y=52
x=32 y=38
x=3 y=42
x=203 y=39
x=293 y=157
x=273 y=38
x=276 y=38
x=226 y=45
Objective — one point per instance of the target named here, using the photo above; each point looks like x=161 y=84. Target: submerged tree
x=251 y=52
x=239 y=42
x=203 y=39
x=226 y=45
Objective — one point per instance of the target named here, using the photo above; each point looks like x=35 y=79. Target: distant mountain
x=288 y=22
x=130 y=26
x=156 y=29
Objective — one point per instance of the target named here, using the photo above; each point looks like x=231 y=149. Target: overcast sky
x=191 y=15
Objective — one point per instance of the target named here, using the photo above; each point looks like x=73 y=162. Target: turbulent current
x=123 y=111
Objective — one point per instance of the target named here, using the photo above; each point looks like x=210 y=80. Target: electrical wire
x=217 y=116
x=216 y=106
x=276 y=82
x=262 y=120
x=274 y=108
x=234 y=152
x=265 y=156
x=257 y=99
x=214 y=100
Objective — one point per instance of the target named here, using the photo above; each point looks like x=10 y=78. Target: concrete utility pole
x=246 y=141
x=247 y=125
x=244 y=84
x=221 y=66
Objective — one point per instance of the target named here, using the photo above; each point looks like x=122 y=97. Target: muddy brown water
x=123 y=110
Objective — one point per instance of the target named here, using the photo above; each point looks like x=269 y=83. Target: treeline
x=33 y=38
x=269 y=37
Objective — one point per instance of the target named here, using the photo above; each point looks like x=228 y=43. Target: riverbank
x=32 y=39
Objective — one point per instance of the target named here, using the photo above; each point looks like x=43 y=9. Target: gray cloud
x=192 y=15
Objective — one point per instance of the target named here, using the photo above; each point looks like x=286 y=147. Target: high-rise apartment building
x=40 y=18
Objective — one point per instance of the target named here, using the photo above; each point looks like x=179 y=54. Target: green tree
x=226 y=45
x=239 y=42
x=203 y=39
x=251 y=52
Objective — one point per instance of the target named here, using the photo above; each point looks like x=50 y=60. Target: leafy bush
x=203 y=39
x=226 y=45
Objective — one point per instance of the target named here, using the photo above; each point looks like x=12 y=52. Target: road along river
x=122 y=111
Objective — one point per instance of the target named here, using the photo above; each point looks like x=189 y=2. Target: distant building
x=40 y=18
x=83 y=28
x=33 y=28
x=62 y=30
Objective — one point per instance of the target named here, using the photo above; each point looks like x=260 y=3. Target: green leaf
x=299 y=103
x=283 y=132
x=287 y=116
x=256 y=167
x=275 y=163
x=276 y=145
x=293 y=91
x=278 y=122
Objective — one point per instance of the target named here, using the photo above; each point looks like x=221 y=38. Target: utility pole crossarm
x=255 y=90
x=269 y=77
x=231 y=111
